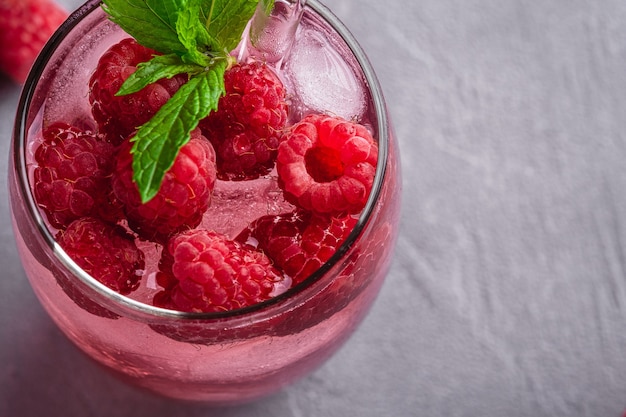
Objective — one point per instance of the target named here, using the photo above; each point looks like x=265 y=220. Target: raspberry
x=184 y=196
x=25 y=26
x=246 y=129
x=327 y=165
x=118 y=117
x=72 y=179
x=106 y=252
x=298 y=243
x=204 y=271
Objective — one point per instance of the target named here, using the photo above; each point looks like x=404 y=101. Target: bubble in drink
x=322 y=79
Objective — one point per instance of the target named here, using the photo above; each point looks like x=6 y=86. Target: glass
x=218 y=357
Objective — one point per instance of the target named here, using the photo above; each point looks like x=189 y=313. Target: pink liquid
x=234 y=204
x=222 y=359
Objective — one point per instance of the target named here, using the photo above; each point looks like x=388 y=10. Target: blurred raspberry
x=25 y=27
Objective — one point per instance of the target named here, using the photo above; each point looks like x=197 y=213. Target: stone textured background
x=507 y=296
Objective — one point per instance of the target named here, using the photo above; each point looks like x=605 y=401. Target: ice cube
x=270 y=37
x=323 y=81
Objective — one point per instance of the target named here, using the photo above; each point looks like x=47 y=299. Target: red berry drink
x=209 y=226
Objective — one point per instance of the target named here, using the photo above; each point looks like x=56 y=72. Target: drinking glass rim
x=19 y=162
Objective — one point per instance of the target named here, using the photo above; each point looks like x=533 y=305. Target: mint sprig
x=158 y=141
x=195 y=38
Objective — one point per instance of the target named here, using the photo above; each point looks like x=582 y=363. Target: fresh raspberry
x=106 y=252
x=118 y=117
x=204 y=271
x=72 y=179
x=298 y=243
x=327 y=165
x=25 y=26
x=247 y=127
x=184 y=196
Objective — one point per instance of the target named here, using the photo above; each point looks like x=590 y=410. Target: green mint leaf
x=194 y=35
x=143 y=23
x=159 y=67
x=188 y=25
x=157 y=142
x=227 y=19
x=166 y=10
